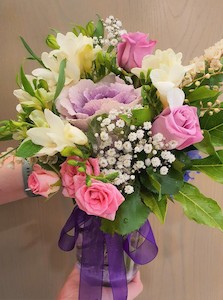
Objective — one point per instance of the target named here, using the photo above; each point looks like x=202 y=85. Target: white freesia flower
x=175 y=97
x=166 y=73
x=57 y=136
x=79 y=53
x=44 y=98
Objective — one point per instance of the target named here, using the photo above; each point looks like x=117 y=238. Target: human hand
x=70 y=289
x=11 y=171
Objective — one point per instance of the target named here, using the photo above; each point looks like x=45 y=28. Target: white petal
x=55 y=122
x=176 y=74
x=175 y=97
x=158 y=75
x=75 y=135
x=39 y=136
x=164 y=87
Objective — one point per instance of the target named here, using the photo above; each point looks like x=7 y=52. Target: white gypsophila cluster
x=206 y=64
x=129 y=150
x=113 y=32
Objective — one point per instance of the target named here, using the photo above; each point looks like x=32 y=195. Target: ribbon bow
x=95 y=243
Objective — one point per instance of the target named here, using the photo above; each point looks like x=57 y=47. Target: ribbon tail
x=67 y=242
x=141 y=245
x=116 y=266
x=92 y=263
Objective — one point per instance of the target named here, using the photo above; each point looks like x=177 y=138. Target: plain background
x=189 y=265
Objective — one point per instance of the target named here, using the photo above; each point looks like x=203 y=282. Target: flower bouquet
x=119 y=129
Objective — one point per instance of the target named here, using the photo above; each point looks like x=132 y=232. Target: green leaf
x=214 y=125
x=212 y=166
x=206 y=145
x=61 y=78
x=99 y=29
x=31 y=51
x=90 y=28
x=26 y=84
x=150 y=183
x=158 y=207
x=141 y=115
x=28 y=149
x=199 y=208
x=171 y=182
x=201 y=93
x=132 y=213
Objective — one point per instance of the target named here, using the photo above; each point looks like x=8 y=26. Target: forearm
x=11 y=182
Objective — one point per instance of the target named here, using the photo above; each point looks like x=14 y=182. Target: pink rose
x=100 y=199
x=131 y=51
x=43 y=182
x=68 y=172
x=179 y=124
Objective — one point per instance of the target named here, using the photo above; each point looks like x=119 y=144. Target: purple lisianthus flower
x=82 y=102
x=193 y=154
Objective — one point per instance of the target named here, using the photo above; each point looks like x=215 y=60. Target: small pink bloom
x=43 y=182
x=134 y=47
x=180 y=124
x=68 y=172
x=100 y=199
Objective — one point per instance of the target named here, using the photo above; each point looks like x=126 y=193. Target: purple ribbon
x=139 y=245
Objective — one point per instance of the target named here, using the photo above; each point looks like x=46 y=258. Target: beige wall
x=189 y=265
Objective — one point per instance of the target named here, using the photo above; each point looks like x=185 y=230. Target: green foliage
x=141 y=115
x=26 y=84
x=157 y=206
x=87 y=31
x=206 y=145
x=33 y=55
x=202 y=93
x=28 y=149
x=61 y=78
x=94 y=127
x=5 y=130
x=132 y=213
x=212 y=166
x=149 y=96
x=99 y=29
x=214 y=126
x=199 y=208
x=170 y=183
x=52 y=42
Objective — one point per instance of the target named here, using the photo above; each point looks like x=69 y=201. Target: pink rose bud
x=68 y=172
x=134 y=47
x=100 y=199
x=179 y=124
x=43 y=182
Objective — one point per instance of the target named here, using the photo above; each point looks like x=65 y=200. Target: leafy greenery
x=199 y=208
x=212 y=166
x=157 y=206
x=26 y=84
x=132 y=213
x=213 y=124
x=206 y=145
x=33 y=55
x=61 y=78
x=27 y=149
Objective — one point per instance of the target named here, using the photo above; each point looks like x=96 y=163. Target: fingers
x=70 y=289
x=135 y=287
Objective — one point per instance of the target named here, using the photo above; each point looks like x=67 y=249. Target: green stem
x=10 y=151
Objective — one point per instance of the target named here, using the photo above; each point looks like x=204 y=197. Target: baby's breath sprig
x=130 y=149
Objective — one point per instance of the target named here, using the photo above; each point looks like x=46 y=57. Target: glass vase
x=131 y=267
